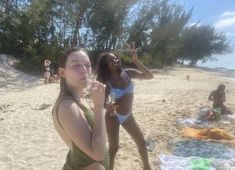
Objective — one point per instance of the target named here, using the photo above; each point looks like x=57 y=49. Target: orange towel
x=206 y=133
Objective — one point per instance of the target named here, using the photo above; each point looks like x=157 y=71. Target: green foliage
x=201 y=42
x=107 y=22
x=35 y=30
x=157 y=28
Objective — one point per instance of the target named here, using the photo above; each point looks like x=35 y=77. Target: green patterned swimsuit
x=76 y=158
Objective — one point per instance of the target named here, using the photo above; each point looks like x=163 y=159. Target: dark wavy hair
x=64 y=91
x=221 y=87
x=103 y=72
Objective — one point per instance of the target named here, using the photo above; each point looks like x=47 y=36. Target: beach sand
x=28 y=140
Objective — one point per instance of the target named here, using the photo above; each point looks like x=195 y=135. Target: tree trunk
x=7 y=7
x=163 y=62
x=79 y=20
x=75 y=34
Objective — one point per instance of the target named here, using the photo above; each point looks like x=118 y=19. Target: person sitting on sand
x=80 y=127
x=47 y=73
x=218 y=98
x=120 y=88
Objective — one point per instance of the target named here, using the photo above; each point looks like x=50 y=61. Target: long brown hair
x=64 y=91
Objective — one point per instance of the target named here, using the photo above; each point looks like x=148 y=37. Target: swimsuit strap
x=76 y=158
x=127 y=77
x=88 y=113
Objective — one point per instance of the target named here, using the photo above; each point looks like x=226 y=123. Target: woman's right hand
x=111 y=108
x=133 y=52
x=98 y=93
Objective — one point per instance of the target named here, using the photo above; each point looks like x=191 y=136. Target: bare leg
x=226 y=110
x=134 y=131
x=112 y=127
x=48 y=80
x=47 y=77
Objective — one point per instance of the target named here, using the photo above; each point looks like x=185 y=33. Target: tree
x=76 y=11
x=139 y=32
x=201 y=42
x=157 y=30
x=10 y=41
x=107 y=21
x=37 y=29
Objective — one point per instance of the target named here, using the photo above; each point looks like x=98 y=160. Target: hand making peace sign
x=133 y=51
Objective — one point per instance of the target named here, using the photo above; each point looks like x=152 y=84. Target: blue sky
x=221 y=15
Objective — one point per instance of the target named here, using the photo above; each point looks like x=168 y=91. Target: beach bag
x=204 y=113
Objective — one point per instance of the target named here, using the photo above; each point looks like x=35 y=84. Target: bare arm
x=211 y=96
x=45 y=63
x=223 y=97
x=78 y=129
x=107 y=91
x=90 y=141
x=143 y=72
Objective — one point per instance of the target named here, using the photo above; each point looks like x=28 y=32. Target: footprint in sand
x=4 y=106
x=44 y=106
x=5 y=159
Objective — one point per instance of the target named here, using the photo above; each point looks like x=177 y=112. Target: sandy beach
x=28 y=140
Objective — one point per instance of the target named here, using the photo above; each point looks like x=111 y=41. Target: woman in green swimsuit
x=80 y=128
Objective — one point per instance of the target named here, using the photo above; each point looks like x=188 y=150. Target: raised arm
x=47 y=63
x=106 y=102
x=91 y=141
x=211 y=96
x=143 y=72
x=223 y=97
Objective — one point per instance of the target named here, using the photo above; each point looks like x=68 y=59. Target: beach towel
x=206 y=133
x=204 y=123
x=192 y=121
x=200 y=163
x=201 y=148
x=172 y=162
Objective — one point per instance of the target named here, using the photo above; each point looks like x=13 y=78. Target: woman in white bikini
x=120 y=87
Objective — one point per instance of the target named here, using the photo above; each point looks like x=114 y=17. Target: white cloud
x=229 y=34
x=227 y=19
x=195 y=24
x=228 y=14
x=228 y=22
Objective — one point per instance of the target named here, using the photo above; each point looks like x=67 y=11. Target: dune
x=10 y=78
